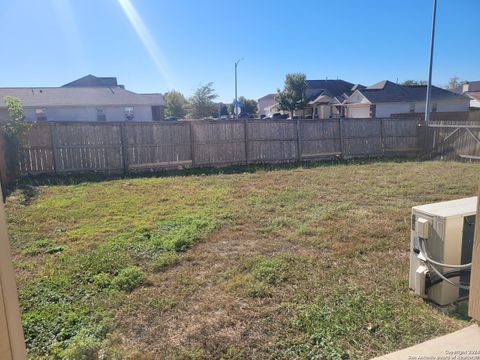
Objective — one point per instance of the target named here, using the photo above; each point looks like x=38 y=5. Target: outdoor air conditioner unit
x=441 y=246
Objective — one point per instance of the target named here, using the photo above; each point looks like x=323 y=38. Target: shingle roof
x=387 y=91
x=474 y=86
x=267 y=96
x=357 y=87
x=91 y=80
x=330 y=87
x=79 y=96
x=471 y=86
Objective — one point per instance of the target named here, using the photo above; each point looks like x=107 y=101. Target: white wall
x=362 y=111
x=474 y=103
x=387 y=109
x=113 y=113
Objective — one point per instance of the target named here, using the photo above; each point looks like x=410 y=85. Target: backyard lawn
x=293 y=262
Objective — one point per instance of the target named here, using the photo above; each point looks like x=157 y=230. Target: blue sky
x=154 y=46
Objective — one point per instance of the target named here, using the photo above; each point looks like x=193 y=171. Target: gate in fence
x=453 y=141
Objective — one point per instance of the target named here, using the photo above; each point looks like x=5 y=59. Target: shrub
x=128 y=279
x=12 y=131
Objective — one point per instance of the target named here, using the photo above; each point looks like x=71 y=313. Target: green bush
x=128 y=279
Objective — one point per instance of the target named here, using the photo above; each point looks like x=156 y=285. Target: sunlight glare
x=146 y=38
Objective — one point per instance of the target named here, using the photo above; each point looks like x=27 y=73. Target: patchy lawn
x=282 y=263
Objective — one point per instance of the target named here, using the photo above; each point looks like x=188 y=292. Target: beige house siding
x=265 y=105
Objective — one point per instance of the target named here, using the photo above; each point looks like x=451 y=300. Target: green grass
x=294 y=261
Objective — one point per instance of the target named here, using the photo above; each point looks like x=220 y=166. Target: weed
x=271 y=271
x=128 y=279
x=45 y=246
x=164 y=261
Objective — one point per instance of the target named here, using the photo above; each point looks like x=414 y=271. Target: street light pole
x=429 y=86
x=236 y=98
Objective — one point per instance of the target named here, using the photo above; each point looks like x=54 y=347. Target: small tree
x=414 y=82
x=12 y=131
x=175 y=104
x=454 y=83
x=292 y=97
x=249 y=106
x=201 y=103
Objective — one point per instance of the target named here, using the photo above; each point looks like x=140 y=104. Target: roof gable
x=268 y=96
x=357 y=98
x=328 y=87
x=92 y=81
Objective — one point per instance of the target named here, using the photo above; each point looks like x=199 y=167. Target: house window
x=41 y=114
x=434 y=107
x=101 y=115
x=412 y=107
x=129 y=112
x=373 y=111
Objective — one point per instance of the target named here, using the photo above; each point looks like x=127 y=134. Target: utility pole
x=236 y=98
x=429 y=86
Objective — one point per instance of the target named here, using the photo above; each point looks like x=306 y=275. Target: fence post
x=340 y=129
x=53 y=137
x=124 y=146
x=192 y=144
x=422 y=139
x=299 y=150
x=382 y=137
x=245 y=135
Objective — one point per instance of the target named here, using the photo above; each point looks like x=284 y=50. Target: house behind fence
x=89 y=98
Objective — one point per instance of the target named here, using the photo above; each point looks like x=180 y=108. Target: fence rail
x=119 y=147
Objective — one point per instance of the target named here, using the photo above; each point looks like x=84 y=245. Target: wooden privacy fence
x=453 y=140
x=120 y=147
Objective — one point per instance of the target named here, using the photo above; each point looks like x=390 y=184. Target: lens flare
x=146 y=38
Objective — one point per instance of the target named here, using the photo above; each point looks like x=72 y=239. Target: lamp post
x=236 y=99
x=429 y=85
